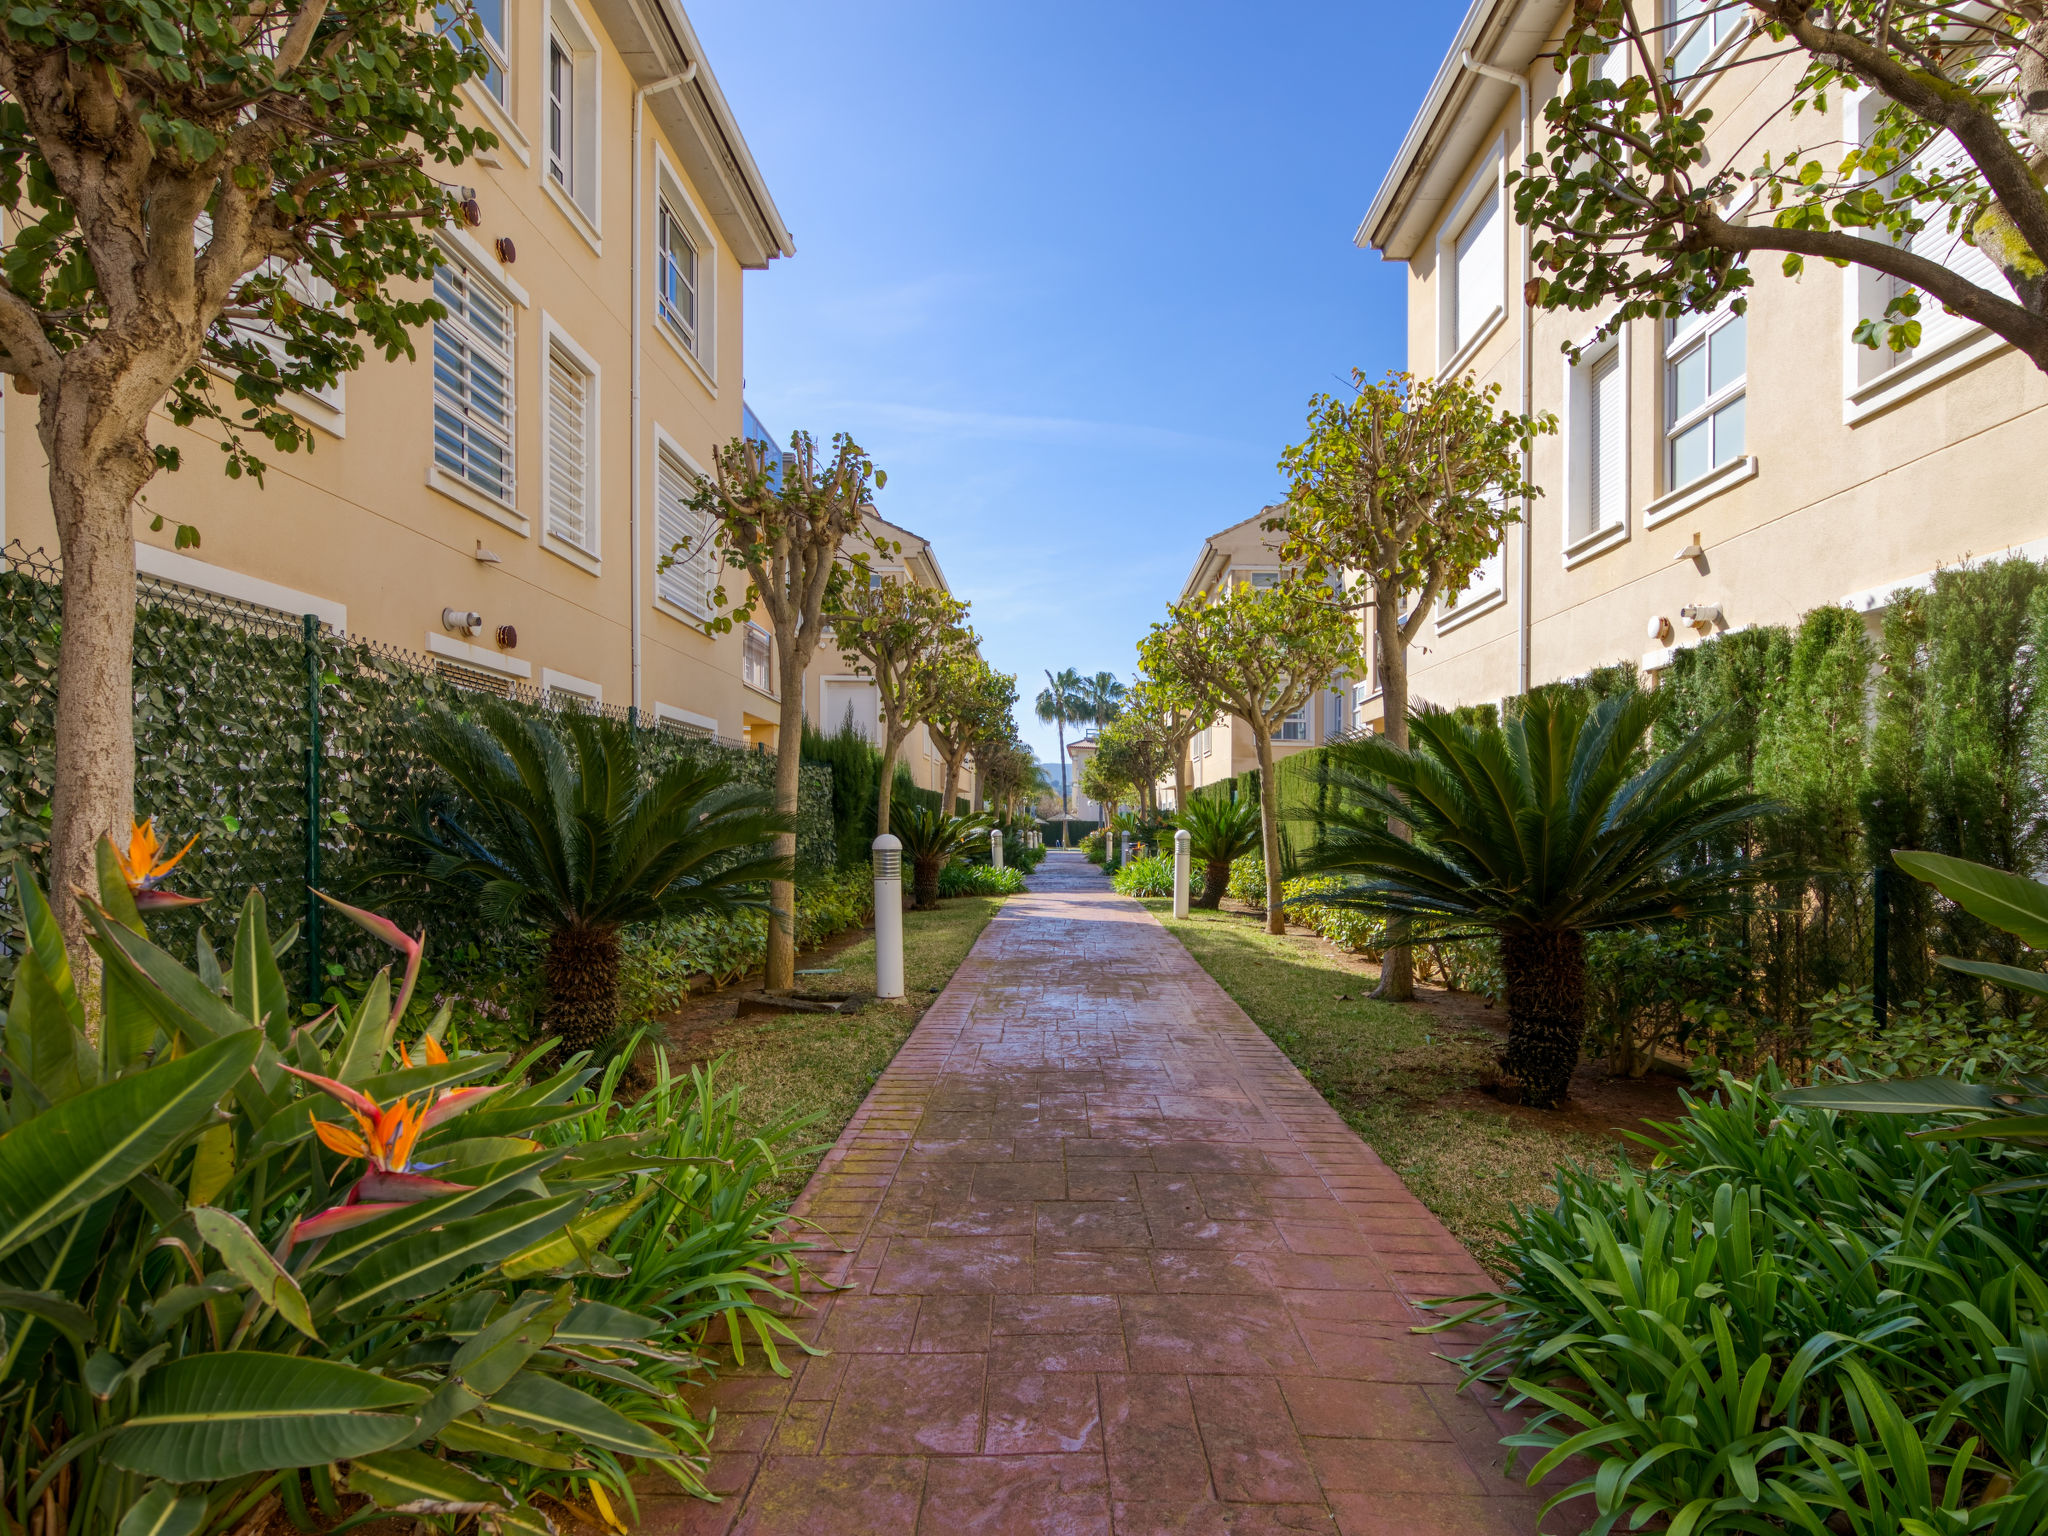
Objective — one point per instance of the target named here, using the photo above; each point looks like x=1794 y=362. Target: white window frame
x=1486 y=591
x=749 y=634
x=670 y=191
x=1260 y=578
x=1582 y=542
x=690 y=723
x=1300 y=718
x=500 y=505
x=575 y=190
x=1699 y=328
x=563 y=687
x=1488 y=184
x=1714 y=13
x=1874 y=382
x=558 y=347
x=666 y=447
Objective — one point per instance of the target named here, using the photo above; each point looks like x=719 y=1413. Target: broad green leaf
x=1896 y=1096
x=506 y=1440
x=573 y=1246
x=594 y=1325
x=61 y=1313
x=414 y=1483
x=215 y=1416
x=369 y=1034
x=213 y=1164
x=2012 y=902
x=64 y=1160
x=256 y=985
x=496 y=1354
x=2035 y=982
x=426 y=1261
x=477 y=1152
x=207 y=964
x=45 y=1022
x=552 y=1406
x=250 y=1262
x=520 y=1520
x=163 y=1511
x=115 y=897
x=494 y=1185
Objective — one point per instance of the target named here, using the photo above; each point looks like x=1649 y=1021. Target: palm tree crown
x=1219 y=832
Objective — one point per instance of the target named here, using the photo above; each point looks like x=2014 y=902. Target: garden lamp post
x=888 y=859
x=1180 y=874
x=995 y=846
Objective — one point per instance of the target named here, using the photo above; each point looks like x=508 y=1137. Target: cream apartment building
x=530 y=467
x=1711 y=473
x=1246 y=552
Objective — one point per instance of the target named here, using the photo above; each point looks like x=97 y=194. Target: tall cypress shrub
x=856 y=781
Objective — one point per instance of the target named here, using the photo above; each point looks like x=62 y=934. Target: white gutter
x=633 y=519
x=1521 y=85
x=1440 y=90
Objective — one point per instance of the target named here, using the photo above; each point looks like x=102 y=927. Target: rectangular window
x=572 y=517
x=490 y=15
x=1607 y=420
x=676 y=275
x=473 y=383
x=562 y=116
x=1943 y=163
x=682 y=536
x=757 y=661
x=1295 y=726
x=1480 y=272
x=1698 y=29
x=1263 y=581
x=1705 y=372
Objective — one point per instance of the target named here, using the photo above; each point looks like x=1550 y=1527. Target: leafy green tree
x=1631 y=203
x=1220 y=832
x=563 y=831
x=1134 y=752
x=1173 y=716
x=209 y=207
x=785 y=520
x=893 y=631
x=1537 y=832
x=1397 y=496
x=971 y=704
x=1063 y=700
x=1262 y=654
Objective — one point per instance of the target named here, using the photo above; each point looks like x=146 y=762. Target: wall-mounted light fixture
x=1704 y=616
x=1660 y=629
x=1693 y=551
x=485 y=556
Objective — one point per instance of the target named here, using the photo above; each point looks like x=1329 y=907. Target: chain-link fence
x=229 y=696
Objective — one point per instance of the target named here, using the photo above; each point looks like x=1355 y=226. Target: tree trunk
x=1180 y=781
x=779 y=972
x=97 y=467
x=582 y=974
x=1397 y=960
x=887 y=790
x=1543 y=973
x=949 y=801
x=1066 y=810
x=1269 y=827
x=1215 y=876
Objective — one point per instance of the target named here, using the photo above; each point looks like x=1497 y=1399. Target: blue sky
x=1069 y=273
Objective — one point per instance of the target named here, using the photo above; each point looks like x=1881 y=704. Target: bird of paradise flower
x=144 y=869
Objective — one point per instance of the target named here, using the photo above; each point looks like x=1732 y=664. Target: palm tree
x=931 y=841
x=1537 y=832
x=562 y=828
x=1105 y=697
x=1219 y=833
x=1066 y=699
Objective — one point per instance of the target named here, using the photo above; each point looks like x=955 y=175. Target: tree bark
x=1215 y=876
x=1397 y=960
x=885 y=792
x=779 y=971
x=1269 y=827
x=582 y=974
x=1543 y=972
x=1180 y=780
x=948 y=801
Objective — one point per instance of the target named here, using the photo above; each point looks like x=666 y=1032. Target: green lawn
x=808 y=1064
x=1387 y=1070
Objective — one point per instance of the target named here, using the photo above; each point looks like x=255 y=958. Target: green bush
x=1926 y=1036
x=1248 y=880
x=1346 y=927
x=958 y=879
x=1795 y=1321
x=1095 y=846
x=1145 y=877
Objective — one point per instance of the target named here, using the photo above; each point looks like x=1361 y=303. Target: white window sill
x=574 y=687
x=757 y=688
x=690 y=359
x=1702 y=490
x=483 y=264
x=1895 y=386
x=668 y=714
x=575 y=554
x=477 y=656
x=1593 y=545
x=1470 y=609
x=680 y=614
x=573 y=213
x=1463 y=356
x=500 y=118
x=457 y=489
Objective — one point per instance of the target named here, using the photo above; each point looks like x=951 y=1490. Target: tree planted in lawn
x=971 y=704
x=1537 y=832
x=1262 y=653
x=893 y=632
x=784 y=520
x=210 y=207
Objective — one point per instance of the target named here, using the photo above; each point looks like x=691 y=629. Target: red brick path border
x=1111 y=1264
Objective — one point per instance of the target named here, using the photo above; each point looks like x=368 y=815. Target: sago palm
x=931 y=841
x=1220 y=832
x=1537 y=832
x=562 y=828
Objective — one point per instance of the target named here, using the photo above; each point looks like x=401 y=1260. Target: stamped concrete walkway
x=1111 y=1264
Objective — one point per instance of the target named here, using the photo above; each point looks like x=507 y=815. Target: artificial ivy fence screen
x=226 y=698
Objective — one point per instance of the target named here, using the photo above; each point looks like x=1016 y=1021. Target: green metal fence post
x=313 y=752
x=1880 y=942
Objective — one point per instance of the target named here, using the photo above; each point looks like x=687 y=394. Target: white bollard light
x=1180 y=874
x=995 y=846
x=888 y=859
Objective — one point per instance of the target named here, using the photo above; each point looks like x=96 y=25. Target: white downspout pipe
x=1521 y=85
x=633 y=458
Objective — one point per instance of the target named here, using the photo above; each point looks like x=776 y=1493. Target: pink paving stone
x=1111 y=1265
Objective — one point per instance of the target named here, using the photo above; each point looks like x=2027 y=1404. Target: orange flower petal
x=340 y=1139
x=431 y=1049
x=406 y=1137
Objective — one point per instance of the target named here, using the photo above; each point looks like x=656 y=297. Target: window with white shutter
x=1943 y=163
x=1481 y=271
x=1597 y=447
x=1608 y=419
x=682 y=538
x=571 y=470
x=473 y=382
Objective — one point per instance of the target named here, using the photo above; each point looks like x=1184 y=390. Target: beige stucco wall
x=354 y=520
x=1834 y=508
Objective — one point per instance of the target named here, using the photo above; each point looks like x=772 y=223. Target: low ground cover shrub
x=1152 y=876
x=1796 y=1320
x=1346 y=927
x=1247 y=880
x=1095 y=846
x=980 y=880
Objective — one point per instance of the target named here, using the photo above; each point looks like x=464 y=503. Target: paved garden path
x=1111 y=1264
